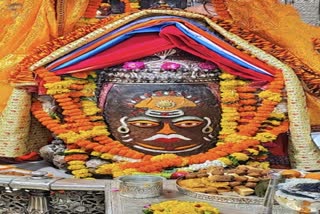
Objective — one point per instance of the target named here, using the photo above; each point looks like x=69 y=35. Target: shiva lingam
x=164 y=104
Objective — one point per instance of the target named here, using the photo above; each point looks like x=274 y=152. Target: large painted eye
x=188 y=123
x=144 y=123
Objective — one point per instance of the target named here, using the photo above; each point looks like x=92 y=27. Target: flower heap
x=248 y=120
x=175 y=206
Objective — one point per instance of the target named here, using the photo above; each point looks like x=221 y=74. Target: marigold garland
x=267 y=126
x=78 y=127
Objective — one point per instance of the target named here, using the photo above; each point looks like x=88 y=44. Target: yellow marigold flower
x=226 y=161
x=72 y=80
x=71 y=137
x=81 y=173
x=183 y=207
x=185 y=161
x=118 y=173
x=95 y=118
x=107 y=156
x=226 y=131
x=93 y=74
x=230 y=84
x=265 y=165
x=76 y=167
x=262 y=148
x=265 y=137
x=253 y=151
x=220 y=143
x=76 y=162
x=89 y=89
x=95 y=153
x=229 y=124
x=107 y=168
x=225 y=76
x=90 y=107
x=57 y=91
x=240 y=156
x=269 y=95
x=163 y=157
x=279 y=116
x=74 y=151
x=135 y=5
x=230 y=99
x=85 y=175
x=88 y=178
x=229 y=117
x=59 y=85
x=235 y=138
x=275 y=122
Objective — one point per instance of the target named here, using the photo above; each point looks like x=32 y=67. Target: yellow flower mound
x=225 y=160
x=240 y=156
x=183 y=207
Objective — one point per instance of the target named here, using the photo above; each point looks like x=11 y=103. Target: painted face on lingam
x=181 y=119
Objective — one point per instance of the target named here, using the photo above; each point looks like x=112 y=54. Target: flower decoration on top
x=134 y=65
x=207 y=65
x=170 y=66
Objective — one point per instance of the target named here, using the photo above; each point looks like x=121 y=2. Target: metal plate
x=230 y=197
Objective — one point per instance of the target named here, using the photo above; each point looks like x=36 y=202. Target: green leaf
x=147 y=211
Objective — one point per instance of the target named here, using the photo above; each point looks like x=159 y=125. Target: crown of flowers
x=167 y=67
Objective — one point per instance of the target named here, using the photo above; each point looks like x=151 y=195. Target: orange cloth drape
x=27 y=24
x=282 y=25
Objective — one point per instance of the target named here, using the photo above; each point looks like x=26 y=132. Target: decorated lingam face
x=163 y=118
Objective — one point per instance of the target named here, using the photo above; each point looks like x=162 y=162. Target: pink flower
x=147 y=206
x=133 y=65
x=207 y=65
x=114 y=190
x=170 y=66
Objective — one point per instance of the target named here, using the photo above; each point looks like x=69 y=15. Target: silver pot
x=140 y=186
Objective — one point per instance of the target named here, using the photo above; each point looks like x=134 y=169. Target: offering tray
x=300 y=199
x=118 y=204
x=227 y=197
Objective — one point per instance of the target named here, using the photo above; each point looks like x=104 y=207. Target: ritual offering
x=176 y=207
x=238 y=185
x=300 y=194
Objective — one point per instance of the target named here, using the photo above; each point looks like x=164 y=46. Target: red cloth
x=138 y=46
x=143 y=45
x=32 y=156
x=183 y=42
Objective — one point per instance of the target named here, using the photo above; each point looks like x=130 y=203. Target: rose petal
x=133 y=65
x=114 y=190
x=207 y=65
